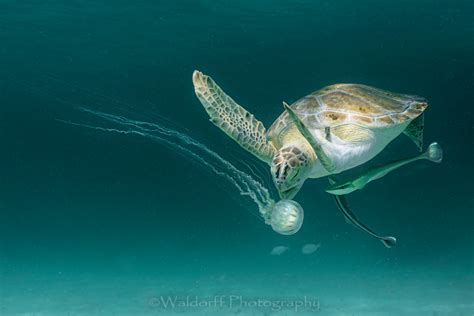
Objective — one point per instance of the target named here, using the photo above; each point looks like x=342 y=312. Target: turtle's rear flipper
x=388 y=241
x=415 y=131
x=231 y=118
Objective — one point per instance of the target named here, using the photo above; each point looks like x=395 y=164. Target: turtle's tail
x=388 y=241
x=434 y=153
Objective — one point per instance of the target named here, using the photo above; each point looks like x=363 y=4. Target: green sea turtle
x=326 y=132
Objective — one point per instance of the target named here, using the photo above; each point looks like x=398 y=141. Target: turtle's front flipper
x=233 y=119
x=318 y=149
x=388 y=241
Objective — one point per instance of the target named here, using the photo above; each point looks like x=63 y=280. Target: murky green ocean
x=109 y=211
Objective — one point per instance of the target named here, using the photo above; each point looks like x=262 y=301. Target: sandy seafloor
x=131 y=288
x=226 y=295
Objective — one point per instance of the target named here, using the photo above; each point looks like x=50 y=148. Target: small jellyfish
x=278 y=250
x=286 y=217
x=310 y=248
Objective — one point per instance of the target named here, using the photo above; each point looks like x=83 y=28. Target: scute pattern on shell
x=353 y=104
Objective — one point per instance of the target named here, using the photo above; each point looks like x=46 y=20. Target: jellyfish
x=285 y=216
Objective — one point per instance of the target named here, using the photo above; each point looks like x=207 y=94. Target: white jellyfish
x=286 y=217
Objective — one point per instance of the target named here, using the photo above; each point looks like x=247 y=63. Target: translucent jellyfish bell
x=286 y=217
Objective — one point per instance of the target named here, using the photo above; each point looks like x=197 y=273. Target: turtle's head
x=290 y=168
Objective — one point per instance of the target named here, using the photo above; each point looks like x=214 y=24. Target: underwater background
x=98 y=223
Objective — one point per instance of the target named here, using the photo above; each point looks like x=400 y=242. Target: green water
x=100 y=223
